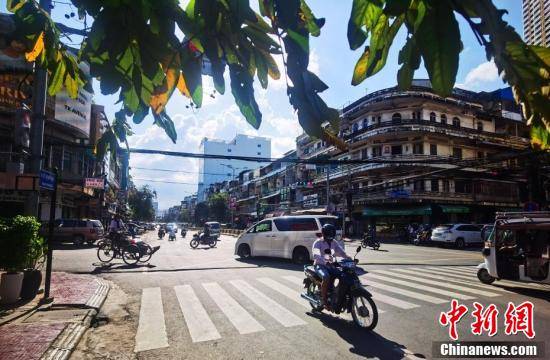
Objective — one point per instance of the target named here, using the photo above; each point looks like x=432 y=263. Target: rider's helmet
x=329 y=232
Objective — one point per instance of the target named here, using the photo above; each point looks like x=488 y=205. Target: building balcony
x=419 y=125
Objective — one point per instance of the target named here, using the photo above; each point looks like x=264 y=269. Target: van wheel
x=300 y=255
x=244 y=251
x=78 y=240
x=459 y=243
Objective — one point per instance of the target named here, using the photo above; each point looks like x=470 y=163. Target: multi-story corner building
x=217 y=170
x=428 y=137
x=71 y=128
x=536 y=22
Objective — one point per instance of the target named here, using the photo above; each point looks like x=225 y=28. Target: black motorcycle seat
x=311 y=271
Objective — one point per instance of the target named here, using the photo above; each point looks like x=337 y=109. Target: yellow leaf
x=182 y=86
x=158 y=102
x=38 y=48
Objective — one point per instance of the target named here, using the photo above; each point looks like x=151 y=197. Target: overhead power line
x=177 y=171
x=165 y=181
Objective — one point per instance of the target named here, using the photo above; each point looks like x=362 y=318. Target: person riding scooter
x=205 y=232
x=323 y=250
x=161 y=231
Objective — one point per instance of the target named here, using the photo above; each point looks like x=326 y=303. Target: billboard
x=94 y=183
x=75 y=112
x=14 y=89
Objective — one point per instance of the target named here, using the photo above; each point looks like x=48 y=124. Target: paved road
x=204 y=303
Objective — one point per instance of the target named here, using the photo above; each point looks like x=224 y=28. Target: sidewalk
x=52 y=331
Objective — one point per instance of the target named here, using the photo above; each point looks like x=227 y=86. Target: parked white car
x=289 y=237
x=460 y=235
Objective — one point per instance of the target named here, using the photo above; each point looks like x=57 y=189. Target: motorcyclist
x=205 y=232
x=172 y=230
x=323 y=262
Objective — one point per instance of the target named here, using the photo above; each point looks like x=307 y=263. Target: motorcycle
x=183 y=232
x=348 y=295
x=172 y=236
x=423 y=237
x=200 y=239
x=161 y=233
x=368 y=240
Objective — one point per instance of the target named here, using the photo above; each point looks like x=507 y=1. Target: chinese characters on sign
x=517 y=319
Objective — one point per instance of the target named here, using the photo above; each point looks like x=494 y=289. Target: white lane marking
x=411 y=294
x=279 y=313
x=198 y=322
x=417 y=278
x=451 y=294
x=393 y=301
x=151 y=331
x=450 y=278
x=294 y=279
x=286 y=291
x=239 y=317
x=465 y=268
x=453 y=271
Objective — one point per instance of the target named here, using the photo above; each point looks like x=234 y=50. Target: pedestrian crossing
x=214 y=310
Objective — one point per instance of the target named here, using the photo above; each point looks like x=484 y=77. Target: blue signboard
x=47 y=180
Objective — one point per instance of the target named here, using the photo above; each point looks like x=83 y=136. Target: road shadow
x=543 y=294
x=109 y=267
x=70 y=246
x=364 y=343
x=284 y=264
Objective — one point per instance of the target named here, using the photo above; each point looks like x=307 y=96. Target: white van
x=289 y=237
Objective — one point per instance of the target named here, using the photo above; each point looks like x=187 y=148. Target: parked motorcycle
x=161 y=233
x=200 y=239
x=368 y=240
x=349 y=295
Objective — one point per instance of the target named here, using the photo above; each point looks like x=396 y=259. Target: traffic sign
x=47 y=180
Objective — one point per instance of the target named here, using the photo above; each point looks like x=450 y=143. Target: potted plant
x=16 y=236
x=32 y=275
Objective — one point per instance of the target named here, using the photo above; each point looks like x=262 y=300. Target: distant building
x=218 y=170
x=536 y=22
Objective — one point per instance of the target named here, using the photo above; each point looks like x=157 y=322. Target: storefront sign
x=310 y=201
x=14 y=89
x=94 y=183
x=47 y=180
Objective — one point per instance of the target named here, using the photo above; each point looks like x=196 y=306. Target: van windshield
x=214 y=226
x=330 y=220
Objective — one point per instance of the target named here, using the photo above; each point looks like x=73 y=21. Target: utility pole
x=37 y=126
x=328 y=188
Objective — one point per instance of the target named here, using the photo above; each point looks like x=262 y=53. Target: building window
x=456 y=122
x=397 y=150
x=433 y=149
x=377 y=151
x=379 y=120
x=228 y=150
x=432 y=116
x=480 y=155
x=365 y=123
x=462 y=187
x=355 y=127
x=434 y=183
x=396 y=117
x=418 y=148
x=259 y=145
x=259 y=153
x=373 y=119
x=444 y=119
x=416 y=115
x=364 y=153
x=479 y=126
x=457 y=153
x=67 y=161
x=418 y=185
x=446 y=187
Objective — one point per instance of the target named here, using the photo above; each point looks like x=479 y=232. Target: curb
x=63 y=346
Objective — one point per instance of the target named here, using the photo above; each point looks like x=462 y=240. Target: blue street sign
x=47 y=180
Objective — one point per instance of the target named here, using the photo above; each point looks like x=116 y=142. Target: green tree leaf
x=440 y=46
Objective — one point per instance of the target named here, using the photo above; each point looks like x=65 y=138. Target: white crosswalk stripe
x=239 y=317
x=151 y=332
x=286 y=291
x=395 y=272
x=198 y=322
x=294 y=279
x=451 y=278
x=276 y=311
x=408 y=293
x=464 y=274
x=421 y=287
x=393 y=301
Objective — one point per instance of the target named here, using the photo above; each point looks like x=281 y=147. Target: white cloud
x=483 y=73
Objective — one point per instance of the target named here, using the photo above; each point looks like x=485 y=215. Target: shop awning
x=271 y=195
x=455 y=209
x=419 y=210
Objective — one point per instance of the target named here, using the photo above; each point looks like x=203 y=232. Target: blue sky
x=331 y=59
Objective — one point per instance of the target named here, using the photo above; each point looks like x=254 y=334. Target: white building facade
x=218 y=170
